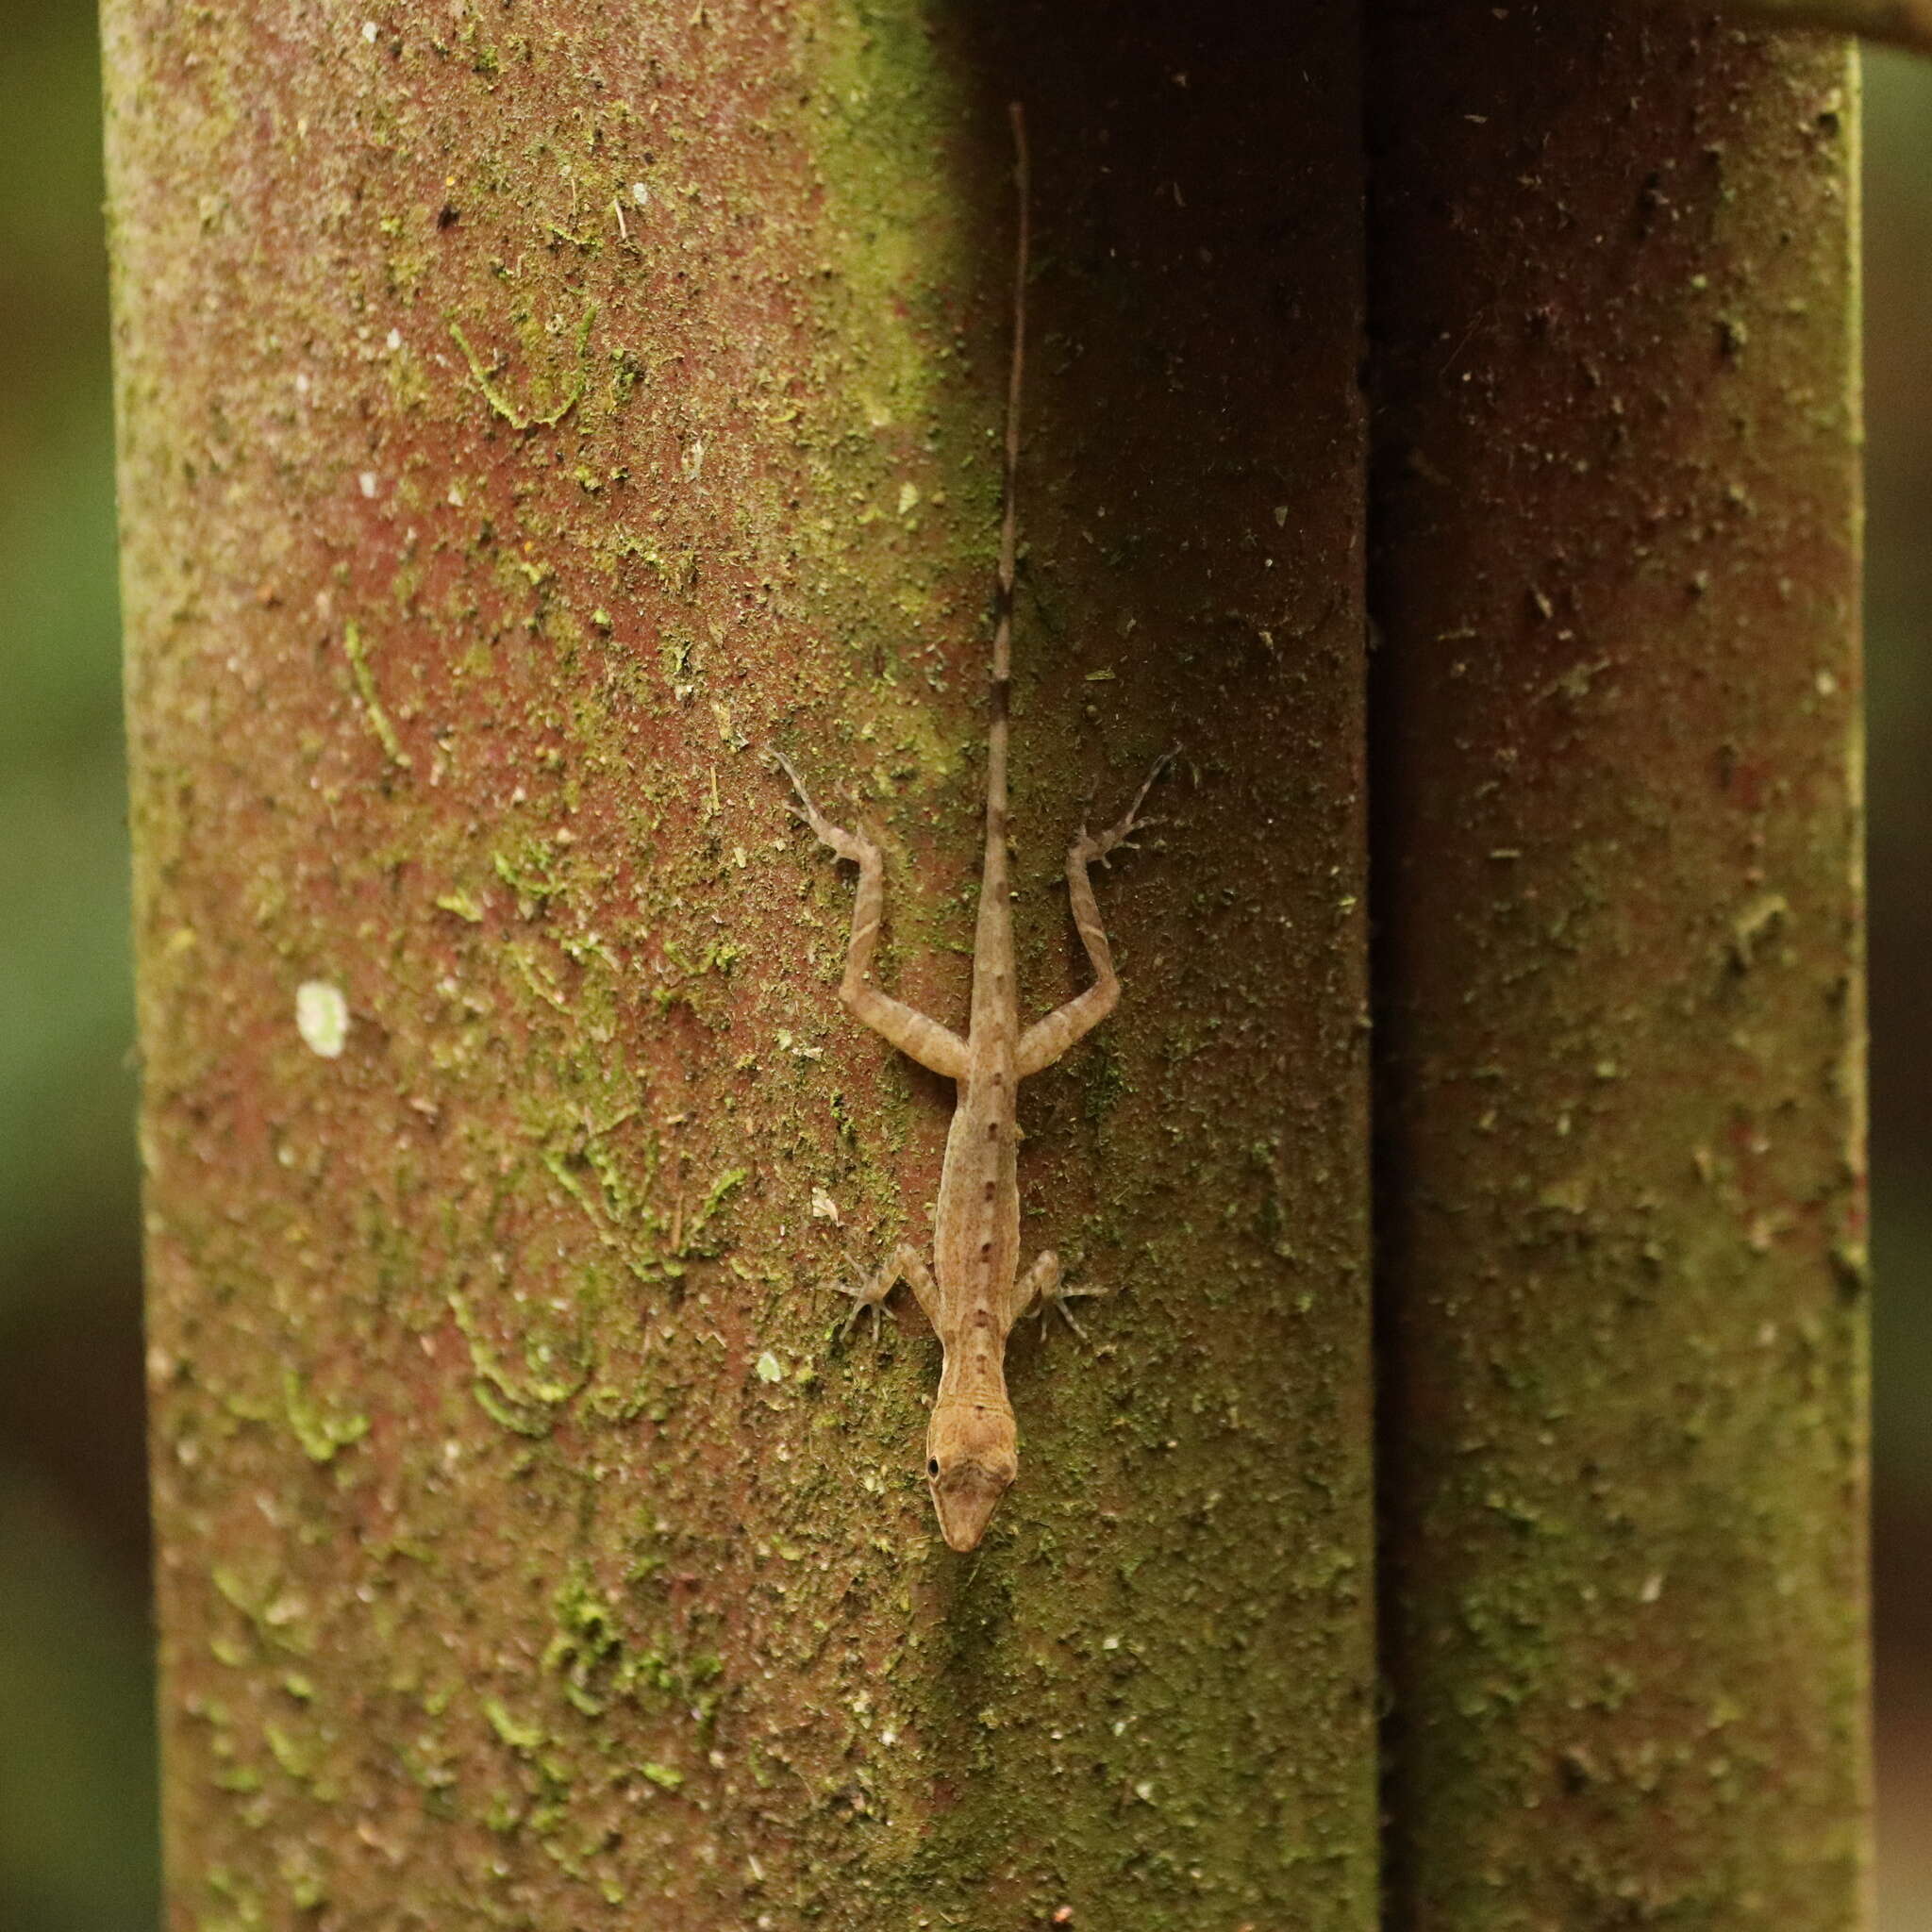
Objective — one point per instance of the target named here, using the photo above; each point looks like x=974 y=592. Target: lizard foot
x=1059 y=1298
x=1119 y=837
x=852 y=845
x=1042 y=1288
x=867 y=1297
x=903 y=1264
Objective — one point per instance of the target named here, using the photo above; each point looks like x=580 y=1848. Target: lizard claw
x=1059 y=1296
x=801 y=807
x=1067 y=1316
x=1088 y=850
x=863 y=1302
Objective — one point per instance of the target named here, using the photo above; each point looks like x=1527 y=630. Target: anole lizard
x=973 y=1291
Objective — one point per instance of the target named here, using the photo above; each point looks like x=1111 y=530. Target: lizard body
x=973 y=1291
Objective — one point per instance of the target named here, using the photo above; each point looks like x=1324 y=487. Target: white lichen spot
x=394 y=340
x=322 y=1017
x=908 y=498
x=824 y=1207
x=369 y=31
x=770 y=1368
x=641 y=194
x=367 y=481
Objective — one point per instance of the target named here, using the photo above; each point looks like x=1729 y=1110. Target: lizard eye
x=932 y=1468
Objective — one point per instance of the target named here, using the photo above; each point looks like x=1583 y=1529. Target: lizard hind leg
x=852 y=845
x=1046 y=1040
x=912 y=1032
x=1119 y=836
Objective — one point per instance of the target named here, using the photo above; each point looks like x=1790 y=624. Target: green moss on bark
x=524 y=418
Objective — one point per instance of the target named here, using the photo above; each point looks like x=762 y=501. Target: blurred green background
x=77 y=1845
x=78 y=1850
x=1898 y=643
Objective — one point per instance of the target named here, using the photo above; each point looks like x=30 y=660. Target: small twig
x=516 y=418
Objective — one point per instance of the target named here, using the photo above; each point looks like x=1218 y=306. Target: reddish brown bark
x=1622 y=1203
x=525 y=412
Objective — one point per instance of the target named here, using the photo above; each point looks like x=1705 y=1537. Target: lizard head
x=972 y=1456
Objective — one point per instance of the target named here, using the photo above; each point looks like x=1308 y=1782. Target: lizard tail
x=1010 y=521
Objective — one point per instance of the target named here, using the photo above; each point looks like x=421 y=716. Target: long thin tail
x=1010 y=523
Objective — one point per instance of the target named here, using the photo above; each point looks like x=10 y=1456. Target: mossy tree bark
x=1613 y=311
x=525 y=415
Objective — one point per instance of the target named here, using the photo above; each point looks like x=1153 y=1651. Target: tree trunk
x=1621 y=1199
x=524 y=417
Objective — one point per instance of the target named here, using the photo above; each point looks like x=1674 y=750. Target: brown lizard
x=973 y=1291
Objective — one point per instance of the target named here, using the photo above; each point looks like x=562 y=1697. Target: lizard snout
x=972 y=1456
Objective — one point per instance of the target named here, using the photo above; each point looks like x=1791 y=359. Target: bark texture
x=1904 y=23
x=1614 y=317
x=525 y=412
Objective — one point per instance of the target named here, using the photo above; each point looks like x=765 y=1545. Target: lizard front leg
x=905 y=1263
x=912 y=1032
x=1043 y=1287
x=1046 y=1040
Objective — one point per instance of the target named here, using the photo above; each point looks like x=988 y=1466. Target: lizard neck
x=974 y=1371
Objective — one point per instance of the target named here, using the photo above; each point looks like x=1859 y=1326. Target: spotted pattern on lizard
x=973 y=1291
